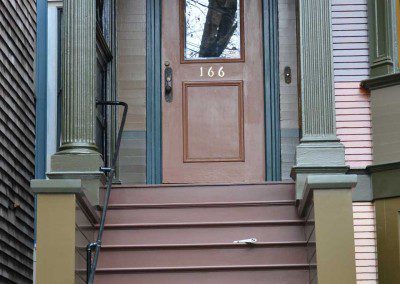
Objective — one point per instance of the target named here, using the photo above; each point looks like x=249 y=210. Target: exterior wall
x=386 y=127
x=365 y=241
x=131 y=76
x=288 y=92
x=17 y=139
x=388 y=220
x=351 y=66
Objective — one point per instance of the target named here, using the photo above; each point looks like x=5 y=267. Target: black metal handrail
x=93 y=249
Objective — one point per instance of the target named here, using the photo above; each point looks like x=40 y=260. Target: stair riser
x=201 y=214
x=202 y=235
x=231 y=277
x=202 y=194
x=201 y=257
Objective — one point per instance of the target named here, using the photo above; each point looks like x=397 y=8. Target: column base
x=317 y=157
x=85 y=167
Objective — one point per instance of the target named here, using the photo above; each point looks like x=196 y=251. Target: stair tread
x=198 y=268
x=266 y=184
x=206 y=224
x=205 y=245
x=202 y=204
x=177 y=230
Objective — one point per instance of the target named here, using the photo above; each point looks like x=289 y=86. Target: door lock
x=168 y=81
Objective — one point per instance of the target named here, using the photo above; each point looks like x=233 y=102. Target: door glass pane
x=212 y=29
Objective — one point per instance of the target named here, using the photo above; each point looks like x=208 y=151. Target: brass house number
x=211 y=72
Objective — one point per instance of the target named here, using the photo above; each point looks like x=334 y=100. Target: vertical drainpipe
x=41 y=102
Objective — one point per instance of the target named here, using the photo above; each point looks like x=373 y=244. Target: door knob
x=168 y=81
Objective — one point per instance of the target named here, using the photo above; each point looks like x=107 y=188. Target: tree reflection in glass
x=212 y=29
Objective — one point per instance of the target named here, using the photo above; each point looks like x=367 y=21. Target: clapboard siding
x=288 y=92
x=17 y=138
x=365 y=240
x=131 y=58
x=351 y=65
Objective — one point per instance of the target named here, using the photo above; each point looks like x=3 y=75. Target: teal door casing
x=154 y=92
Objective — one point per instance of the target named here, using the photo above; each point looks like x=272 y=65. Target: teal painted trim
x=153 y=93
x=272 y=96
x=41 y=99
x=383 y=167
x=271 y=89
x=41 y=90
x=381 y=82
x=363 y=190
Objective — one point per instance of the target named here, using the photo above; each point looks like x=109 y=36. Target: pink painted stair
x=184 y=234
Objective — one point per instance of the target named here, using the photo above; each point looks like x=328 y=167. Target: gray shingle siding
x=17 y=139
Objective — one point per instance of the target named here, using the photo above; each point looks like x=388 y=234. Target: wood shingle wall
x=351 y=65
x=17 y=138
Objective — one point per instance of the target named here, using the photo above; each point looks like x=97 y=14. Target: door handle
x=250 y=241
x=168 y=81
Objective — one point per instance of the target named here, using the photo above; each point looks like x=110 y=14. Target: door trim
x=154 y=92
x=272 y=91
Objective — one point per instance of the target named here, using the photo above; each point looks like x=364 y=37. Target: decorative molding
x=383 y=167
x=211 y=60
x=272 y=108
x=383 y=37
x=185 y=126
x=381 y=82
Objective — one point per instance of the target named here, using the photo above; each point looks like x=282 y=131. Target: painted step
x=203 y=233
x=202 y=193
x=211 y=212
x=202 y=255
x=238 y=275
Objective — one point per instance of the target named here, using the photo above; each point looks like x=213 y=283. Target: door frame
x=154 y=92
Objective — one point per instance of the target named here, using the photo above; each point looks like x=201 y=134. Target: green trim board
x=363 y=189
x=41 y=89
x=153 y=93
x=271 y=92
x=381 y=82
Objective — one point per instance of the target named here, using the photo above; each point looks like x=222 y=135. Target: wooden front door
x=213 y=99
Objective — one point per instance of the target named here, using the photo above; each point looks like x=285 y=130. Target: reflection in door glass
x=212 y=29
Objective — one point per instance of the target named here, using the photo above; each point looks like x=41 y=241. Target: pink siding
x=365 y=243
x=350 y=50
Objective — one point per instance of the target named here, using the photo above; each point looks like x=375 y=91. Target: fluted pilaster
x=318 y=104
x=79 y=76
x=320 y=151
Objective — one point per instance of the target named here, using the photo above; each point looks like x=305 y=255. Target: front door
x=213 y=104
